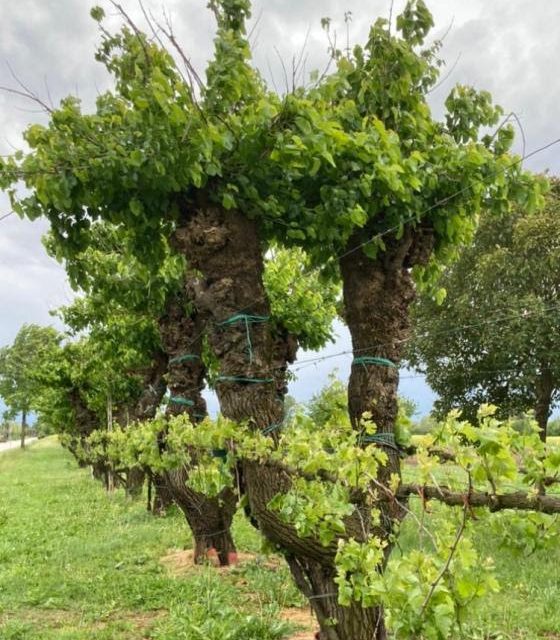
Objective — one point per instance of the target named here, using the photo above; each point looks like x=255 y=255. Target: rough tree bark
x=225 y=247
x=85 y=422
x=23 y=428
x=518 y=500
x=544 y=389
x=163 y=499
x=182 y=330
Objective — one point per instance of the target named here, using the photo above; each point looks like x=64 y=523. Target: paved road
x=13 y=444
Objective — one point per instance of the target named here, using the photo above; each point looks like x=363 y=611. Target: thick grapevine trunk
x=100 y=471
x=210 y=519
x=85 y=422
x=353 y=622
x=135 y=478
x=312 y=565
x=377 y=295
x=154 y=388
x=163 y=498
x=225 y=248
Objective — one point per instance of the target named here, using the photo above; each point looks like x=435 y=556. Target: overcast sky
x=509 y=47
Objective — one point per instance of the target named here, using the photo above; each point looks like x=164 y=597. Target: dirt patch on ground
x=179 y=562
x=302 y=618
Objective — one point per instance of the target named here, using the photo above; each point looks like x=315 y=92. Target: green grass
x=78 y=564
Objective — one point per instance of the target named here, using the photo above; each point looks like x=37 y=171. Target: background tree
x=496 y=336
x=20 y=364
x=110 y=374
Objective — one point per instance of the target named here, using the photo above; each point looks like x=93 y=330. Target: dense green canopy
x=21 y=364
x=356 y=149
x=496 y=337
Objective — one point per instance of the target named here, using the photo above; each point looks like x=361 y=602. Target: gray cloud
x=507 y=46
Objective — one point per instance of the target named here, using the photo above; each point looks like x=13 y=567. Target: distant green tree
x=331 y=402
x=424 y=425
x=554 y=427
x=19 y=367
x=496 y=337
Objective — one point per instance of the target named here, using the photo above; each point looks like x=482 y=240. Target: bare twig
x=150 y=23
x=403 y=506
x=522 y=130
x=301 y=60
x=502 y=124
x=254 y=27
x=283 y=69
x=48 y=92
x=332 y=45
x=446 y=76
x=448 y=30
x=24 y=91
x=169 y=34
x=272 y=76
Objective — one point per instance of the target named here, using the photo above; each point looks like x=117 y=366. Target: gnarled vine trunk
x=225 y=248
x=145 y=408
x=134 y=482
x=210 y=519
x=163 y=498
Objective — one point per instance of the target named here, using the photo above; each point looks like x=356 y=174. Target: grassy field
x=77 y=564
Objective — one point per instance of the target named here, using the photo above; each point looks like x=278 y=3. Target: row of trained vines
x=214 y=228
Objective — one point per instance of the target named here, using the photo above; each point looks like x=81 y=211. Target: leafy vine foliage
x=355 y=174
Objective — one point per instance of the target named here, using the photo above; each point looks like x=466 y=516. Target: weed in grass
x=270 y=583
x=212 y=616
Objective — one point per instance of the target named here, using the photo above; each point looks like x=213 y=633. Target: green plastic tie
x=185 y=358
x=272 y=428
x=219 y=453
x=381 y=362
x=248 y=320
x=243 y=380
x=182 y=401
x=382 y=439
